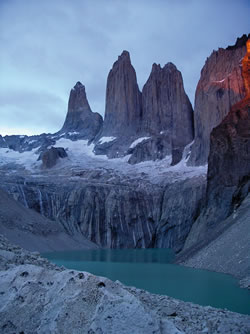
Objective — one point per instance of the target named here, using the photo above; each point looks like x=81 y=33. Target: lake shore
x=37 y=296
x=227 y=248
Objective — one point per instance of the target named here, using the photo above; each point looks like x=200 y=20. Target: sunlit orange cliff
x=230 y=150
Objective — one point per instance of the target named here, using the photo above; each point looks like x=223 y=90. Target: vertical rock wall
x=219 y=88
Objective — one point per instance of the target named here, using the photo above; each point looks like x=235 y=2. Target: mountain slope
x=226 y=247
x=32 y=231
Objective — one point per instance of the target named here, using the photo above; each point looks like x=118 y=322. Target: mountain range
x=152 y=173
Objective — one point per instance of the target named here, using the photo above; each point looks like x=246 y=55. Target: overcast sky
x=49 y=45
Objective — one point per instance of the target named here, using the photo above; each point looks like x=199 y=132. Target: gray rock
x=123 y=100
x=116 y=212
x=3 y=143
x=165 y=113
x=166 y=108
x=228 y=180
x=225 y=247
x=229 y=163
x=68 y=301
x=31 y=230
x=51 y=156
x=219 y=88
x=80 y=118
x=154 y=148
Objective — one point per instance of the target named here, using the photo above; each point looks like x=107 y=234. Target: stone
x=117 y=212
x=228 y=178
x=225 y=248
x=29 y=229
x=51 y=156
x=154 y=148
x=3 y=143
x=219 y=88
x=80 y=117
x=123 y=100
x=166 y=108
x=65 y=304
x=229 y=157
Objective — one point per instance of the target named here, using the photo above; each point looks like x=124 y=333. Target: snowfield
x=106 y=140
x=81 y=156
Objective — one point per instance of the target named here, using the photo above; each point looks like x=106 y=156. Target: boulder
x=51 y=156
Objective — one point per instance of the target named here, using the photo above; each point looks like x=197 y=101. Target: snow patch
x=28 y=159
x=220 y=80
x=76 y=148
x=106 y=140
x=73 y=133
x=137 y=141
x=31 y=141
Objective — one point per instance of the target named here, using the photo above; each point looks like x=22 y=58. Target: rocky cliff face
x=123 y=99
x=80 y=118
x=166 y=108
x=116 y=213
x=34 y=232
x=219 y=88
x=162 y=110
x=229 y=158
x=3 y=142
x=228 y=180
x=153 y=148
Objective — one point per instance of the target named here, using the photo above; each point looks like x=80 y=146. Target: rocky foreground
x=39 y=297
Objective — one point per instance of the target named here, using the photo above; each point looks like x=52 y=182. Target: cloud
x=46 y=46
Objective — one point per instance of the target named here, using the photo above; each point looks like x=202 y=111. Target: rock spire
x=80 y=117
x=166 y=108
x=123 y=99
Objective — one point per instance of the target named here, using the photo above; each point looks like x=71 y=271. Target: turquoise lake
x=152 y=270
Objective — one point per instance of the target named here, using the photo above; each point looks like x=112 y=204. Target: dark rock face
x=229 y=158
x=3 y=142
x=51 y=156
x=80 y=118
x=219 y=88
x=228 y=180
x=166 y=108
x=116 y=214
x=27 y=143
x=180 y=207
x=229 y=161
x=13 y=142
x=162 y=108
x=123 y=99
x=154 y=148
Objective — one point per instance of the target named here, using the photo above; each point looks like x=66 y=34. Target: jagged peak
x=79 y=85
x=240 y=42
x=170 y=67
x=124 y=57
x=156 y=67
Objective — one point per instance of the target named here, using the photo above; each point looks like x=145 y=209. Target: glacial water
x=152 y=270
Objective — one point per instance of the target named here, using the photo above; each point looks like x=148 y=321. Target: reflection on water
x=151 y=269
x=116 y=255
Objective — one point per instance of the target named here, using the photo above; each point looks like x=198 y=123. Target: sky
x=49 y=45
